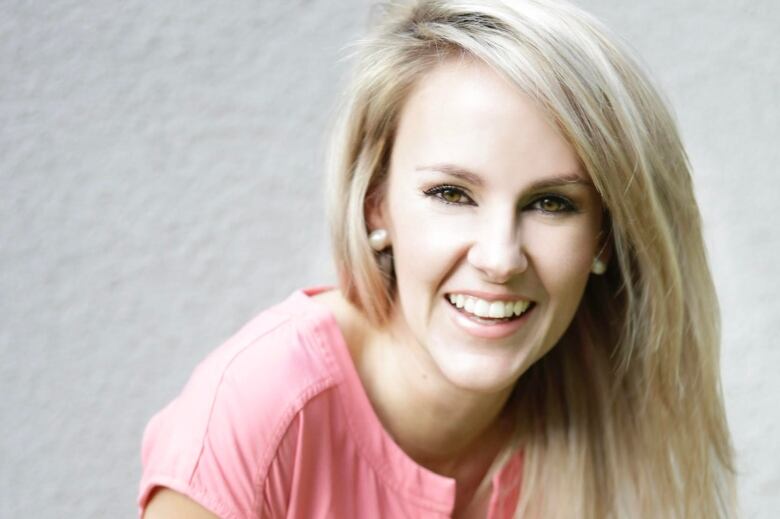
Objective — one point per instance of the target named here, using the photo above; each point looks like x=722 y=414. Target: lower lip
x=493 y=330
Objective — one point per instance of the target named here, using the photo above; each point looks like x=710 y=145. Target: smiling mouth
x=489 y=312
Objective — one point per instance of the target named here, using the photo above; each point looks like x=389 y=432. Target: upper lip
x=488 y=296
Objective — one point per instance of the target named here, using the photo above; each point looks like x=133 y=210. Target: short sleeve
x=206 y=445
x=214 y=441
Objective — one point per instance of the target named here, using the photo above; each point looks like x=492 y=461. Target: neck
x=450 y=430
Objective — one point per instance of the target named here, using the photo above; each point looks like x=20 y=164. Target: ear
x=605 y=245
x=374 y=210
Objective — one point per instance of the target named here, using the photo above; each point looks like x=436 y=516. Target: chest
x=321 y=470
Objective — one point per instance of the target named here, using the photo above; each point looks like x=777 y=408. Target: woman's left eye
x=553 y=204
x=450 y=195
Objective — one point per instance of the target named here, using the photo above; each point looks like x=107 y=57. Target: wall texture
x=161 y=183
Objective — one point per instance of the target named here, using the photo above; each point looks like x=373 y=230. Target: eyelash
x=567 y=206
x=438 y=193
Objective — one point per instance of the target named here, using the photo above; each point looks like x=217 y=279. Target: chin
x=480 y=372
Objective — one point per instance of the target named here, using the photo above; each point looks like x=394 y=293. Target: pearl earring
x=598 y=267
x=379 y=239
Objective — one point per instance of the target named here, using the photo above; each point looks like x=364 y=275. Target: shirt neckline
x=391 y=463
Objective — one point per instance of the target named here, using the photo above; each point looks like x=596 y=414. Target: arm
x=167 y=504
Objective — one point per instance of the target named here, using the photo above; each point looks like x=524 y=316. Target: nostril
x=496 y=261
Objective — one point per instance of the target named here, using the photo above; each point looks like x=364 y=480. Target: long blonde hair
x=624 y=417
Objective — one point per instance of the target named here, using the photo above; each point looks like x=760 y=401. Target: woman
x=525 y=324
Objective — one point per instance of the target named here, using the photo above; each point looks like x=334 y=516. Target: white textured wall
x=160 y=169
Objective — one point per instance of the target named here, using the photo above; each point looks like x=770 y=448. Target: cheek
x=413 y=242
x=427 y=245
x=418 y=233
x=562 y=257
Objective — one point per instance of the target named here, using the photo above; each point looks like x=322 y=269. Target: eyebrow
x=473 y=178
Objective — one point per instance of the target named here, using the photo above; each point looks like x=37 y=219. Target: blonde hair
x=624 y=417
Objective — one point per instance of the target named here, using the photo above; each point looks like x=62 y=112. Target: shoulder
x=217 y=437
x=352 y=323
x=264 y=372
x=278 y=356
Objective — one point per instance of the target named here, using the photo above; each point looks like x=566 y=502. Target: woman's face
x=490 y=216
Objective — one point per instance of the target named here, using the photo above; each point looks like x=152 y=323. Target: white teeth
x=492 y=309
x=520 y=306
x=496 y=310
x=482 y=308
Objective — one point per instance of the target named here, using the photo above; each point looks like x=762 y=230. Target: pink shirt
x=276 y=423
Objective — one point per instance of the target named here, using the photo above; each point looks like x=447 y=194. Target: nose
x=498 y=253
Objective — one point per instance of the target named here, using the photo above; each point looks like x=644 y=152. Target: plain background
x=161 y=168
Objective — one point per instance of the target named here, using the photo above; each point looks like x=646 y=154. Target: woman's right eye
x=450 y=195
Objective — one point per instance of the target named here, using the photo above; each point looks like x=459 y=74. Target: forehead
x=464 y=112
